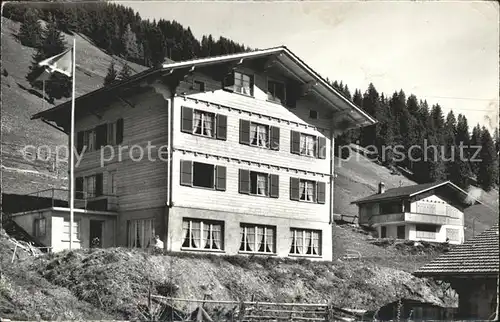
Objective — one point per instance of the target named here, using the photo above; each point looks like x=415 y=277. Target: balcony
x=410 y=217
x=60 y=198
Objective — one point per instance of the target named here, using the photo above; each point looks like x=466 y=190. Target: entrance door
x=401 y=232
x=96 y=233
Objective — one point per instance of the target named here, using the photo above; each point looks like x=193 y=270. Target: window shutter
x=275 y=186
x=321 y=191
x=321 y=147
x=221 y=127
x=101 y=135
x=119 y=131
x=220 y=174
x=275 y=138
x=79 y=141
x=79 y=188
x=245 y=132
x=186 y=173
x=295 y=142
x=294 y=188
x=244 y=181
x=98 y=184
x=187 y=119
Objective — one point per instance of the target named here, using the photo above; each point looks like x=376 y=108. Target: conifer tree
x=130 y=44
x=475 y=143
x=111 y=75
x=30 y=33
x=488 y=167
x=125 y=72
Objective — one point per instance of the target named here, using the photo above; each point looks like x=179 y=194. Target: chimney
x=381 y=187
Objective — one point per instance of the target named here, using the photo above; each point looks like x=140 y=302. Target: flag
x=62 y=63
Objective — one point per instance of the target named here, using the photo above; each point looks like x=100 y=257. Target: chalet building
x=472 y=271
x=429 y=212
x=239 y=158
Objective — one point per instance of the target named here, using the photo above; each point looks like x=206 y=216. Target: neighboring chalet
x=429 y=212
x=472 y=270
x=245 y=165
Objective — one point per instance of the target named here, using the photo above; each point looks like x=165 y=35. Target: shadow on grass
x=36 y=93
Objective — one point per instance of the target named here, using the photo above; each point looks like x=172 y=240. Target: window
x=305 y=242
x=199 y=86
x=260 y=184
x=383 y=232
x=89 y=140
x=89 y=186
x=276 y=91
x=243 y=83
x=204 y=175
x=313 y=114
x=426 y=231
x=76 y=229
x=40 y=227
x=202 y=234
x=203 y=123
x=140 y=232
x=308 y=145
x=112 y=184
x=259 y=135
x=257 y=239
x=307 y=190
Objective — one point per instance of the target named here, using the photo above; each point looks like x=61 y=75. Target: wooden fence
x=162 y=308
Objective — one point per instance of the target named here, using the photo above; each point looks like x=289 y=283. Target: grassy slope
x=116 y=280
x=18 y=105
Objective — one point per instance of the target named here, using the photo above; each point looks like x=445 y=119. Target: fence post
x=242 y=311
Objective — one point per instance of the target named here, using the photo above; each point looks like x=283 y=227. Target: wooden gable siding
x=456 y=215
x=140 y=184
x=232 y=147
x=231 y=200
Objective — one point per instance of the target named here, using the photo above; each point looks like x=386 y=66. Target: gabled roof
x=477 y=256
x=283 y=58
x=409 y=191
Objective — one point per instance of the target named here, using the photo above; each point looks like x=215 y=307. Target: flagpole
x=72 y=144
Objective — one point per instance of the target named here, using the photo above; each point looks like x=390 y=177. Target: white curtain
x=260 y=239
x=196 y=234
x=250 y=239
x=303 y=145
x=310 y=146
x=185 y=233
x=310 y=191
x=269 y=240
x=207 y=122
x=262 y=130
x=299 y=241
x=197 y=122
x=292 y=242
x=261 y=184
x=253 y=134
x=302 y=188
x=217 y=236
x=315 y=243
x=308 y=242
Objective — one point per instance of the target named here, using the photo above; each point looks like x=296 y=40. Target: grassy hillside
x=113 y=282
x=19 y=103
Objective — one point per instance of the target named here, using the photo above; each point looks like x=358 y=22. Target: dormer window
x=276 y=91
x=239 y=83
